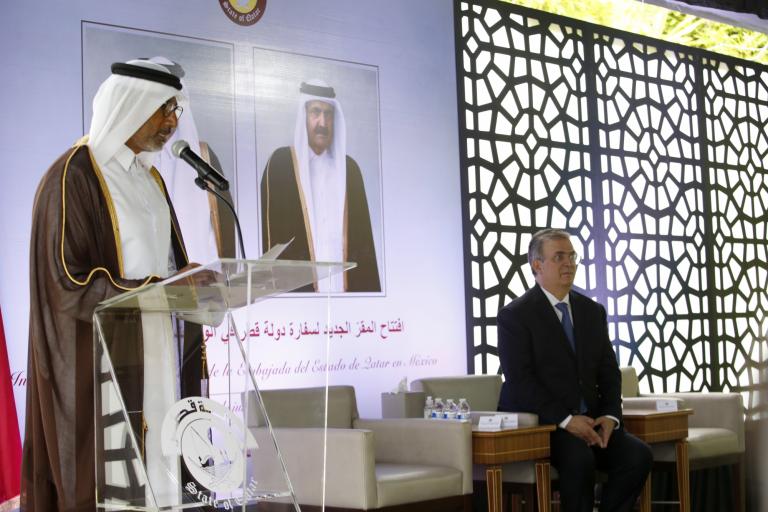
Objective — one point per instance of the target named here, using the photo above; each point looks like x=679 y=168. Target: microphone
x=181 y=149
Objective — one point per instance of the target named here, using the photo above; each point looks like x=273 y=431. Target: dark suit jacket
x=542 y=373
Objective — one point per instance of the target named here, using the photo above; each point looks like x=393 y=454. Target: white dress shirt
x=142 y=215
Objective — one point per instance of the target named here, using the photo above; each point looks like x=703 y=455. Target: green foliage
x=653 y=21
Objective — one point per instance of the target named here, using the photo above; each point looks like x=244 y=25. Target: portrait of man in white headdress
x=206 y=223
x=313 y=193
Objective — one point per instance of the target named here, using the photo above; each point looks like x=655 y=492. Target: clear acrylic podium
x=167 y=438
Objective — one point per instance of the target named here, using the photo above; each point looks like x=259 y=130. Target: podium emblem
x=210 y=439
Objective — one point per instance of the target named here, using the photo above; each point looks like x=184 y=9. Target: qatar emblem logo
x=243 y=12
x=210 y=439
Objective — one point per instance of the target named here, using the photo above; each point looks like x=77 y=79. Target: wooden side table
x=493 y=449
x=658 y=427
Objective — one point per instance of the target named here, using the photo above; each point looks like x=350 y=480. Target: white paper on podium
x=275 y=251
x=215 y=318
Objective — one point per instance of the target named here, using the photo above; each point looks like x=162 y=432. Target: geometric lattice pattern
x=736 y=116
x=527 y=155
x=653 y=211
x=653 y=156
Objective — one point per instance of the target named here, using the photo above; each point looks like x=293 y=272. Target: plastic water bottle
x=428 y=406
x=451 y=410
x=464 y=411
x=437 y=410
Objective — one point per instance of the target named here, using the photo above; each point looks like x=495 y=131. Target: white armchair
x=715 y=430
x=372 y=464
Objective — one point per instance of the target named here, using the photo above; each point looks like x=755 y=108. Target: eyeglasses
x=169 y=108
x=560 y=257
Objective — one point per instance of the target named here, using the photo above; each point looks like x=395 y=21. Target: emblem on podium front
x=210 y=439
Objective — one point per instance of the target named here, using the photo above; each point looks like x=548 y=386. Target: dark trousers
x=626 y=461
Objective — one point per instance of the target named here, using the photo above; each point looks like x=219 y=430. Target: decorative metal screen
x=652 y=155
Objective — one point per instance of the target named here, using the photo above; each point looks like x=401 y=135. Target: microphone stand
x=204 y=185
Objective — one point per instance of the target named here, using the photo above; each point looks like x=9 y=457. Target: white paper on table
x=666 y=405
x=489 y=423
x=508 y=421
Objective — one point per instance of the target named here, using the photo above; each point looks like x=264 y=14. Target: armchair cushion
x=481 y=391
x=630 y=385
x=703 y=443
x=721 y=409
x=406 y=483
x=424 y=442
x=715 y=410
x=350 y=468
x=304 y=407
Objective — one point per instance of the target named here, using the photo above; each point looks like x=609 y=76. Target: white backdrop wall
x=410 y=47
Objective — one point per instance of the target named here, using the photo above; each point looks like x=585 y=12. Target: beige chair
x=390 y=464
x=482 y=393
x=715 y=430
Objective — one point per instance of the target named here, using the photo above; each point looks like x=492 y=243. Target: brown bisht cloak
x=75 y=263
x=283 y=216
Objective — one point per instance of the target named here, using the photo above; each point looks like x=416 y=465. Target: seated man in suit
x=559 y=363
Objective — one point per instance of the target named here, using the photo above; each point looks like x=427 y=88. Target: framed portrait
x=319 y=163
x=207 y=124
